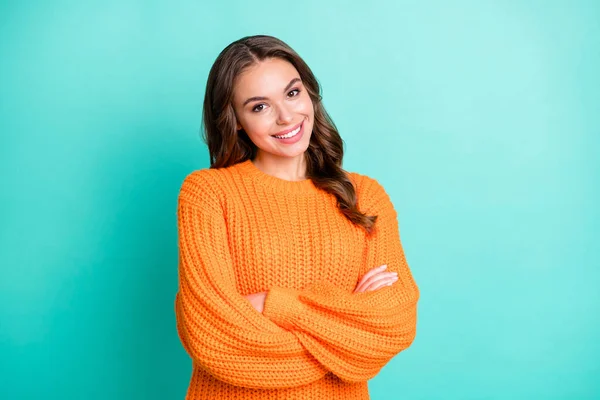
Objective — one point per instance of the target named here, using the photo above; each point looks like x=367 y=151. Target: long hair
x=227 y=146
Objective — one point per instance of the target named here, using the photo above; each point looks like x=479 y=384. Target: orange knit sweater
x=243 y=231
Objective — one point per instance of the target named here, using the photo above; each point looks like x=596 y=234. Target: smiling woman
x=292 y=278
x=284 y=103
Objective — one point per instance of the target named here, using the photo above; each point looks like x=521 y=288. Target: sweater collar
x=305 y=186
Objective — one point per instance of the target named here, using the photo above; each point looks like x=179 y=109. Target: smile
x=290 y=134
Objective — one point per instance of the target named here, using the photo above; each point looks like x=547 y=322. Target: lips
x=287 y=130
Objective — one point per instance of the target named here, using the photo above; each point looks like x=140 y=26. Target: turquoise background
x=481 y=119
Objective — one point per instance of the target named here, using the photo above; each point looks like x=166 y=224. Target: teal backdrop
x=481 y=119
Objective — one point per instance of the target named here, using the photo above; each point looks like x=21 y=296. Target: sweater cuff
x=282 y=306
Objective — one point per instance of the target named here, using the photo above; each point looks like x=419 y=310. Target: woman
x=278 y=295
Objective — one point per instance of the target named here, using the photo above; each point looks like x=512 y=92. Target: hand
x=376 y=278
x=257 y=300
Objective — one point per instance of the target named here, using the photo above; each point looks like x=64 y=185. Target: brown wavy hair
x=228 y=146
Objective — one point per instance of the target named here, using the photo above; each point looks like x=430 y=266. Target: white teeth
x=290 y=134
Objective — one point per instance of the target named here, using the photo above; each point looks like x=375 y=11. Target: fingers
x=372 y=282
x=375 y=279
x=371 y=273
x=374 y=271
x=380 y=284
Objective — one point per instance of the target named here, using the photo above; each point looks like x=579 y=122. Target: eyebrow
x=256 y=98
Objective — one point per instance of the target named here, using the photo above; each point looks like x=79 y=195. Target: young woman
x=283 y=291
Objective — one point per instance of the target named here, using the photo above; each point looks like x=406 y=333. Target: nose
x=285 y=115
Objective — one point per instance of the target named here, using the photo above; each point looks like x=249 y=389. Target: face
x=269 y=100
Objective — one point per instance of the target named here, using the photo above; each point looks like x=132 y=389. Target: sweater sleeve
x=219 y=328
x=355 y=334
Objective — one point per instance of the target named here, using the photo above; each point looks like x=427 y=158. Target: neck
x=288 y=168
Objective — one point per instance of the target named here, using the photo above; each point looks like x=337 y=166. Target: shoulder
x=202 y=185
x=206 y=176
x=366 y=186
x=371 y=195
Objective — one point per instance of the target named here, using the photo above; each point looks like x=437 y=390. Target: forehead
x=265 y=78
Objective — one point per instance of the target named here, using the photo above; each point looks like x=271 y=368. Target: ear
x=238 y=126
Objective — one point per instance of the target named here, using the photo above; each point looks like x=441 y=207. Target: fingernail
x=383 y=266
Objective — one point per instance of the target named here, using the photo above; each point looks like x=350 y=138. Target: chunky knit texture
x=242 y=231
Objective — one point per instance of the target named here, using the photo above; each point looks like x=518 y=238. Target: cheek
x=258 y=126
x=305 y=106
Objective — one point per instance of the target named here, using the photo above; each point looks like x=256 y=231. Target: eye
x=294 y=90
x=255 y=109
